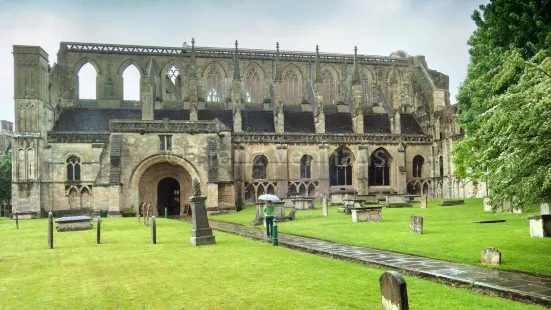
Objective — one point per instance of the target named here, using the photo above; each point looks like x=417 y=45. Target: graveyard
x=127 y=271
x=448 y=233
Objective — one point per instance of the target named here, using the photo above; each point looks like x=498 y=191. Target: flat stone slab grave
x=370 y=214
x=451 y=203
x=73 y=223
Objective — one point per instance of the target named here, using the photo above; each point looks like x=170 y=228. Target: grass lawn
x=127 y=272
x=448 y=233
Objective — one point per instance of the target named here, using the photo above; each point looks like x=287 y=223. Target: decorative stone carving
x=196 y=187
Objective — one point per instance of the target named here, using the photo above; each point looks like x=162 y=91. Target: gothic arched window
x=379 y=169
x=366 y=88
x=418 y=166
x=306 y=167
x=173 y=82
x=253 y=85
x=259 y=167
x=214 y=84
x=340 y=167
x=291 y=87
x=328 y=87
x=73 y=168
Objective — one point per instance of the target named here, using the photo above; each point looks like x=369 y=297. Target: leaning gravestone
x=201 y=233
x=490 y=256
x=324 y=206
x=544 y=209
x=423 y=202
x=416 y=224
x=394 y=295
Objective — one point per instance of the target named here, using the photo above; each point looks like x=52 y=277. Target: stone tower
x=34 y=116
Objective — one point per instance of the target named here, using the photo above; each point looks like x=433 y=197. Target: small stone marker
x=490 y=256
x=423 y=202
x=487 y=206
x=153 y=230
x=544 y=209
x=99 y=230
x=324 y=207
x=16 y=220
x=138 y=215
x=50 y=230
x=416 y=224
x=394 y=295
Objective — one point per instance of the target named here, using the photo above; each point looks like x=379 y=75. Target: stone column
x=282 y=172
x=201 y=233
x=147 y=102
x=323 y=167
x=400 y=175
x=193 y=98
x=238 y=171
x=357 y=113
x=279 y=120
x=114 y=201
x=324 y=206
x=362 y=169
x=319 y=115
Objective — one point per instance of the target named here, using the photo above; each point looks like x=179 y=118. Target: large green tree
x=505 y=102
x=5 y=178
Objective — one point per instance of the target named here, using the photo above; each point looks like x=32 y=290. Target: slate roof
x=338 y=123
x=225 y=116
x=92 y=120
x=177 y=115
x=299 y=122
x=376 y=123
x=258 y=121
x=409 y=125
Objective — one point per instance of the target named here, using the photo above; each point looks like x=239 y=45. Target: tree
x=5 y=177
x=504 y=102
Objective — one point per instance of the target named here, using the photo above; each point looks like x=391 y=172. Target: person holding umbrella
x=269 y=212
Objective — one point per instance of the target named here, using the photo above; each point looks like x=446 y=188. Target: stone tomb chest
x=71 y=223
x=367 y=214
x=303 y=202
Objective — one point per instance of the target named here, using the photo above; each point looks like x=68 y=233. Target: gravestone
x=540 y=225
x=324 y=208
x=73 y=223
x=490 y=256
x=544 y=209
x=423 y=202
x=487 y=206
x=153 y=230
x=50 y=230
x=292 y=215
x=394 y=295
x=98 y=231
x=16 y=220
x=201 y=233
x=416 y=224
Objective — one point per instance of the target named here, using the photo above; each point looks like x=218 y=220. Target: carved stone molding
x=286 y=138
x=77 y=137
x=166 y=126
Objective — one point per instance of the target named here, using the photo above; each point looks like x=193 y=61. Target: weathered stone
x=368 y=214
x=324 y=207
x=544 y=209
x=292 y=215
x=423 y=202
x=394 y=295
x=98 y=232
x=540 y=226
x=303 y=203
x=153 y=230
x=490 y=256
x=452 y=202
x=416 y=224
x=72 y=223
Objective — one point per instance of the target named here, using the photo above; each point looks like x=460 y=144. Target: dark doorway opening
x=168 y=196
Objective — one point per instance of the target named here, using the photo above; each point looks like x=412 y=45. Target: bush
x=129 y=212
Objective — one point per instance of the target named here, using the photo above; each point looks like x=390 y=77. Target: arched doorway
x=168 y=196
x=340 y=167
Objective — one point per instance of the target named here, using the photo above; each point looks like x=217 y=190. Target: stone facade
x=243 y=122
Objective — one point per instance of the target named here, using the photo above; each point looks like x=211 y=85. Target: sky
x=437 y=29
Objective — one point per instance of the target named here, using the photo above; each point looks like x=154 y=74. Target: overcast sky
x=438 y=29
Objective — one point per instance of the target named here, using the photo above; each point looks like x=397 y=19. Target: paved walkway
x=512 y=285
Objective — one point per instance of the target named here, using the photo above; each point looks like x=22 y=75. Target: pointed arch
x=254 y=80
x=86 y=60
x=85 y=198
x=292 y=84
x=172 y=76
x=131 y=81
x=31 y=167
x=418 y=162
x=74 y=198
x=87 y=75
x=367 y=81
x=311 y=189
x=329 y=86
x=127 y=63
x=306 y=166
x=340 y=167
x=379 y=168
x=72 y=165
x=270 y=189
x=260 y=164
x=21 y=164
x=214 y=77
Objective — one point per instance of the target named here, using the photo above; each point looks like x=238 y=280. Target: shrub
x=129 y=212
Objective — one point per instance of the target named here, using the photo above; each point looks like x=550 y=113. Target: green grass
x=448 y=233
x=127 y=272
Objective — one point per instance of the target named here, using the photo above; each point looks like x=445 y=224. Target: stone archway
x=158 y=180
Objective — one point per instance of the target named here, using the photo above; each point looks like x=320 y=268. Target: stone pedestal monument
x=201 y=233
